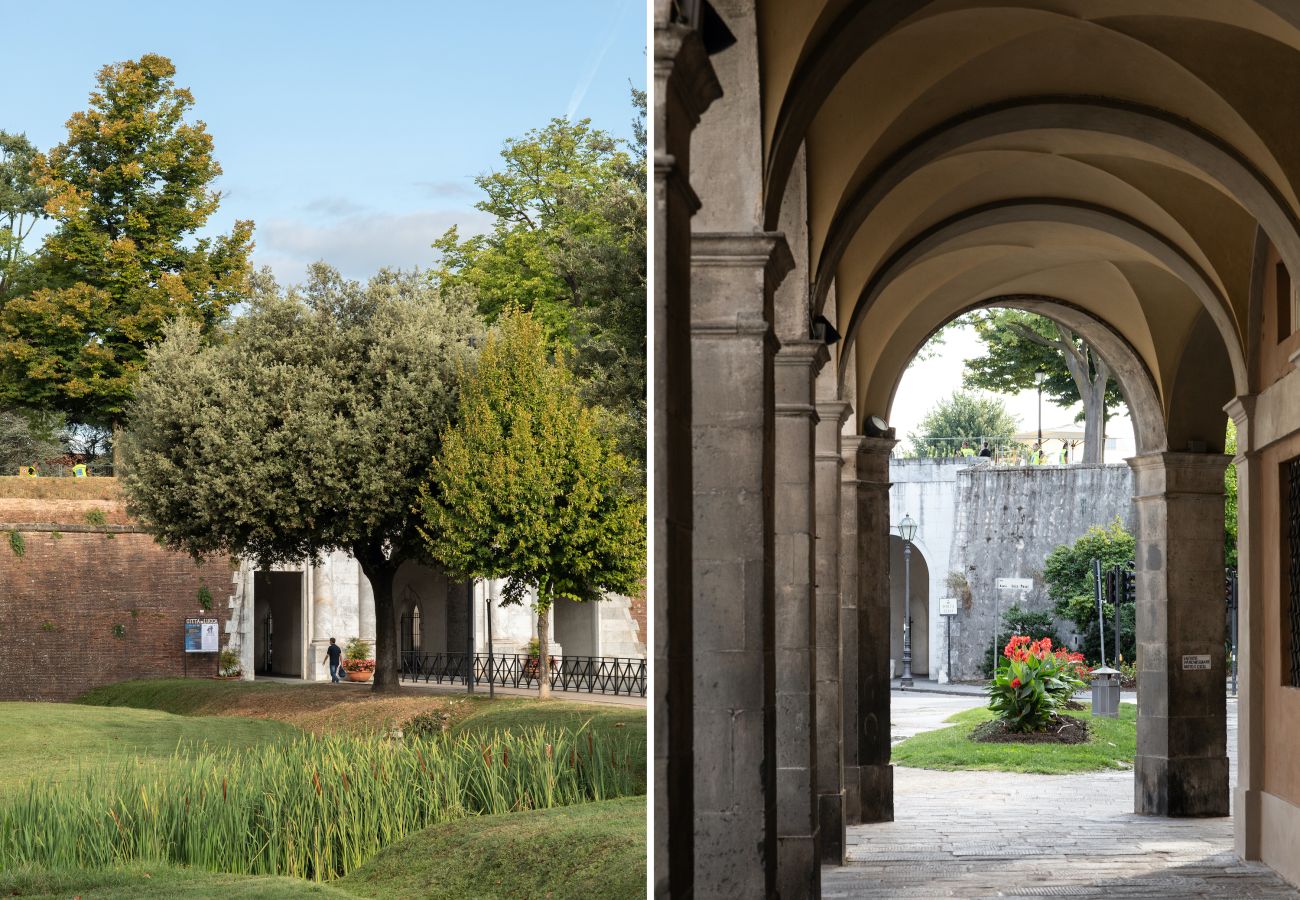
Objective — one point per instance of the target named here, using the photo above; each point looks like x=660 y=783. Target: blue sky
x=347 y=131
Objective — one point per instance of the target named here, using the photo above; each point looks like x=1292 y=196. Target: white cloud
x=358 y=244
x=449 y=188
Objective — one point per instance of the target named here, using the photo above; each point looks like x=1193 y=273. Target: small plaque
x=1015 y=584
x=947 y=606
x=1196 y=662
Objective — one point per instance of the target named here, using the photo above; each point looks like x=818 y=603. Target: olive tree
x=308 y=428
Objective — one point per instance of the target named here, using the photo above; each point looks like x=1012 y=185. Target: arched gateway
x=871 y=170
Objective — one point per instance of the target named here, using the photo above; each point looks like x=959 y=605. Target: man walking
x=332 y=654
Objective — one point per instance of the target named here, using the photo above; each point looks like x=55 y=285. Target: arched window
x=415 y=627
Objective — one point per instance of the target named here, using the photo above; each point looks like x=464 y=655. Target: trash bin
x=1105 y=692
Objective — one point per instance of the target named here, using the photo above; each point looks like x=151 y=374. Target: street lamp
x=1039 y=378
x=907 y=531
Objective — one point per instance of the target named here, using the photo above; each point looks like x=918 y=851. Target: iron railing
x=589 y=674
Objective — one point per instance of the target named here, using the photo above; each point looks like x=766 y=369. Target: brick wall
x=61 y=600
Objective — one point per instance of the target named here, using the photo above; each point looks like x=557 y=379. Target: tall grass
x=313 y=808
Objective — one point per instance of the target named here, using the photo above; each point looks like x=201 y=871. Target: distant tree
x=309 y=429
x=568 y=243
x=22 y=205
x=1068 y=574
x=1230 y=498
x=28 y=438
x=526 y=488
x=1020 y=344
x=129 y=190
x=962 y=417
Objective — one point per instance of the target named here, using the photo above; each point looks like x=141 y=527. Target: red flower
x=1015 y=682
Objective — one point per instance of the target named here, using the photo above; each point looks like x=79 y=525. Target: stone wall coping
x=73 y=528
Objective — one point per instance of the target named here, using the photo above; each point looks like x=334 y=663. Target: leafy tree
x=527 y=488
x=1018 y=345
x=568 y=242
x=309 y=429
x=1230 y=499
x=28 y=438
x=128 y=190
x=963 y=417
x=22 y=205
x=1068 y=573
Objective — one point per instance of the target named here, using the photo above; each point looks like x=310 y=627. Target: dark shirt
x=333 y=652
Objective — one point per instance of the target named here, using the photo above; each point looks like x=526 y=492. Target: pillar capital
x=1242 y=411
x=1168 y=472
x=873 y=459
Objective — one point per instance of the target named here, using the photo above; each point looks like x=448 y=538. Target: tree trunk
x=1094 y=424
x=380 y=571
x=544 y=654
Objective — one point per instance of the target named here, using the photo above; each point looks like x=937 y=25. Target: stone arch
x=921 y=601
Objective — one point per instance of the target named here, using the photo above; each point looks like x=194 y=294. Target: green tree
x=28 y=438
x=568 y=242
x=22 y=205
x=1068 y=574
x=1018 y=345
x=308 y=429
x=128 y=191
x=962 y=417
x=1230 y=499
x=527 y=488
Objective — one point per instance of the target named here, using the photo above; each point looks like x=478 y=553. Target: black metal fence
x=588 y=674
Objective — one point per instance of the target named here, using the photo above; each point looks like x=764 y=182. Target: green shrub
x=1034 y=684
x=96 y=517
x=17 y=543
x=426 y=725
x=1018 y=620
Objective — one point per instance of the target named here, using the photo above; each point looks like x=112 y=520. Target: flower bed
x=1035 y=684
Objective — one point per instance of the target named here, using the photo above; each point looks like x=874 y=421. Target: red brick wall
x=60 y=601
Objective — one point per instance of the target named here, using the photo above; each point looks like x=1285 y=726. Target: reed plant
x=315 y=807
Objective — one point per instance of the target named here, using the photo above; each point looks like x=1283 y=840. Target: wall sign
x=201 y=636
x=947 y=606
x=1196 y=662
x=1015 y=584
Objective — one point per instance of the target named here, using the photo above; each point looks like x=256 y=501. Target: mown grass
x=1112 y=744
x=56 y=740
x=593 y=850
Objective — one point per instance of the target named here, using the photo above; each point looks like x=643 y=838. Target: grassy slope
x=594 y=850
x=54 y=739
x=1112 y=746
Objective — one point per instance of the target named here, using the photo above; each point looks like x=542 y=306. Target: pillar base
x=830 y=816
x=1182 y=787
x=852 y=796
x=798 y=872
x=876 y=789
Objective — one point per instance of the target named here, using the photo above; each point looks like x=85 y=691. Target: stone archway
x=920 y=609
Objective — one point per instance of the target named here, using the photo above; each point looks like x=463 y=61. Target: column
x=1182 y=763
x=799 y=856
x=849 y=447
x=875 y=774
x=830 y=716
x=684 y=87
x=365 y=608
x=732 y=349
x=1247 y=816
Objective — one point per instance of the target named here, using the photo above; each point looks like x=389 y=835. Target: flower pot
x=359 y=676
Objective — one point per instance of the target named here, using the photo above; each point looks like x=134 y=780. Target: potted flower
x=531 y=665
x=228 y=662
x=357 y=661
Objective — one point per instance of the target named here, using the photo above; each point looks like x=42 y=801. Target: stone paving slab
x=1000 y=834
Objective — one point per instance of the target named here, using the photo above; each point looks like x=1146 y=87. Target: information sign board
x=1015 y=584
x=202 y=636
x=947 y=606
x=1196 y=662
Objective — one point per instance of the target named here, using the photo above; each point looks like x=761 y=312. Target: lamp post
x=907 y=531
x=1039 y=378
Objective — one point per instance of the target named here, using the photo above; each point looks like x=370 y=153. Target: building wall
x=63 y=602
x=978 y=523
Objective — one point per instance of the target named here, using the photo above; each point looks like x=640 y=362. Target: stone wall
x=93 y=604
x=979 y=523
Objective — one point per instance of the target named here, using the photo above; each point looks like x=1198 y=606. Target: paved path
x=995 y=834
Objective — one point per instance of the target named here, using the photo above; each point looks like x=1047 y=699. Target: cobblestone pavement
x=996 y=834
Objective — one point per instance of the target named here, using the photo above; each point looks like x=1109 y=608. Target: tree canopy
x=128 y=191
x=568 y=243
x=1067 y=572
x=962 y=417
x=526 y=487
x=307 y=429
x=22 y=205
x=1018 y=345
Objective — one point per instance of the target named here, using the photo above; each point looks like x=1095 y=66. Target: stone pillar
x=830 y=716
x=322 y=586
x=799 y=855
x=365 y=607
x=732 y=349
x=1247 y=813
x=849 y=446
x=875 y=774
x=1182 y=763
x=684 y=87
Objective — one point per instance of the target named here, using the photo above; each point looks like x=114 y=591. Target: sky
x=927 y=381
x=348 y=132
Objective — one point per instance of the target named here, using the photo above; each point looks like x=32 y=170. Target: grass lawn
x=55 y=739
x=592 y=850
x=1111 y=745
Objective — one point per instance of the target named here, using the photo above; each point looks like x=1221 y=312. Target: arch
x=1215 y=160
x=1051 y=210
x=920 y=607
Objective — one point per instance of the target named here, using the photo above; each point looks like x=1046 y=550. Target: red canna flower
x=1015 y=682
